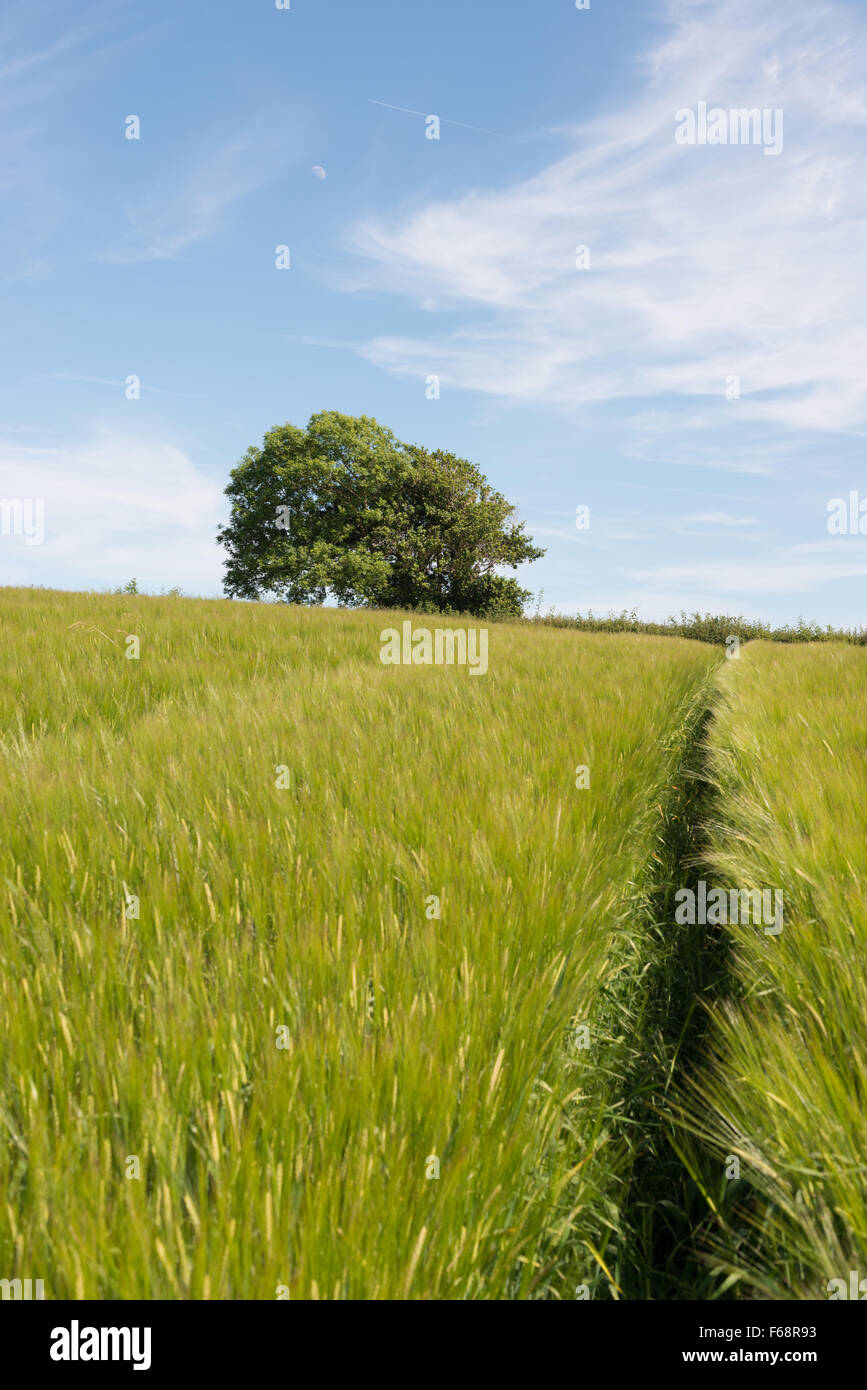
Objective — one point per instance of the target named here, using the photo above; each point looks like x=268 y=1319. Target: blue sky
x=609 y=386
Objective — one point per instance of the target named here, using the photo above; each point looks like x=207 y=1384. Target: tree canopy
x=345 y=509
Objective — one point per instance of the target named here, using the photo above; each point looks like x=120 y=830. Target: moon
x=318 y=171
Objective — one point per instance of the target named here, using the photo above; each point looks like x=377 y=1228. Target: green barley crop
x=296 y=948
x=786 y=1092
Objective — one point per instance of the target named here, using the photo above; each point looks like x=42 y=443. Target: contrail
x=409 y=112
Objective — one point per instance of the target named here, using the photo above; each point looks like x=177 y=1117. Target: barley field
x=324 y=978
x=318 y=975
x=786 y=1086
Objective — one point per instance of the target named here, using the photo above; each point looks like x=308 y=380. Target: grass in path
x=672 y=972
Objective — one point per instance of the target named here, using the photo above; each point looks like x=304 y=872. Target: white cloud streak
x=705 y=262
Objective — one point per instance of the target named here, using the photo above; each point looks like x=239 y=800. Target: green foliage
x=132 y=587
x=345 y=509
x=704 y=627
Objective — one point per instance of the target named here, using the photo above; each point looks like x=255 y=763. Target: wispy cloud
x=41 y=74
x=25 y=62
x=120 y=385
x=790 y=570
x=185 y=207
x=721 y=519
x=115 y=506
x=705 y=263
x=42 y=177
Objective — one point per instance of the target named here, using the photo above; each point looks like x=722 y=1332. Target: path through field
x=345 y=979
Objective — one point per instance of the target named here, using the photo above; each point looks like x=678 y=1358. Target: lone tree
x=344 y=508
